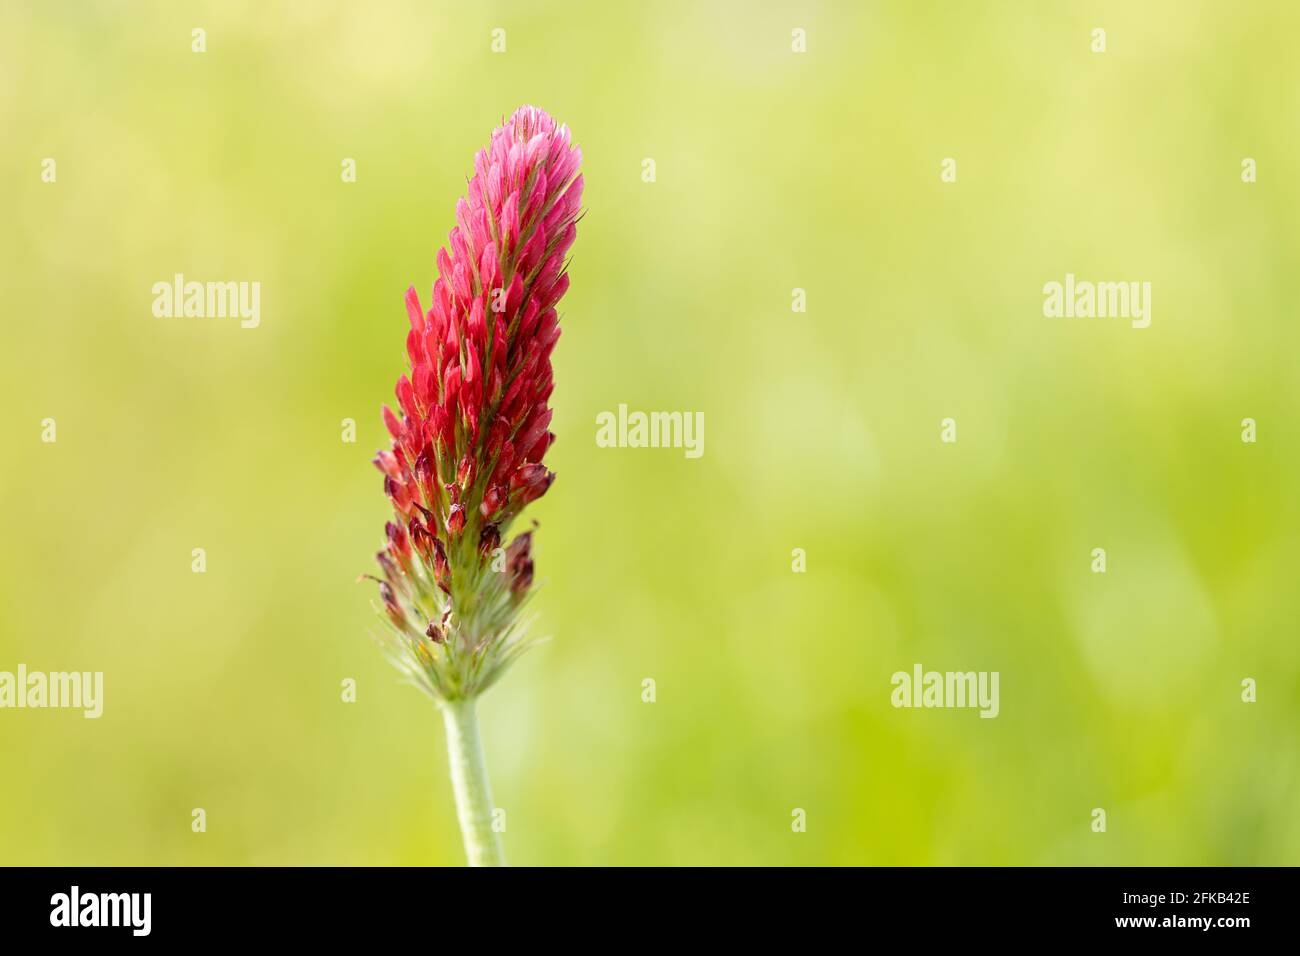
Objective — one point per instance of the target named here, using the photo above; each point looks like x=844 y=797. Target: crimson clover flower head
x=472 y=424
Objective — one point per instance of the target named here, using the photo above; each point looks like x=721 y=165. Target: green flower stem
x=469 y=780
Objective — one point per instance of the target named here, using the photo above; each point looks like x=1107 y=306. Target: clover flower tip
x=471 y=425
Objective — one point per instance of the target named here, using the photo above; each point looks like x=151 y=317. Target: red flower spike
x=472 y=421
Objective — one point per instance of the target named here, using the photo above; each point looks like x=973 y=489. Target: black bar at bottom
x=331 y=907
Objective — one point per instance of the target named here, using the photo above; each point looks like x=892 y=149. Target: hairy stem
x=469 y=780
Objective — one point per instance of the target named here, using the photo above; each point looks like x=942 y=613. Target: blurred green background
x=774 y=170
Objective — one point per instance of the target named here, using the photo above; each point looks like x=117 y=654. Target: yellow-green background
x=775 y=170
